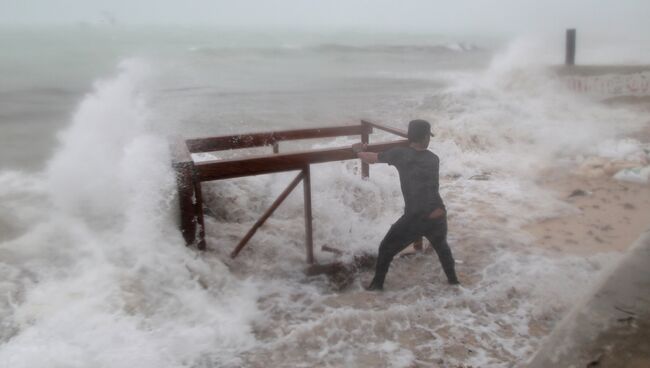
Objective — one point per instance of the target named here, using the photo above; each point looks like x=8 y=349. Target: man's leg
x=438 y=238
x=399 y=236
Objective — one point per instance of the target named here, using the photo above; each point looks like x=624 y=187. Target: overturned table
x=190 y=174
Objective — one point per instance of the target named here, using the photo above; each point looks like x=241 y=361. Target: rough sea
x=93 y=269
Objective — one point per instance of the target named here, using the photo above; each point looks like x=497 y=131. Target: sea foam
x=101 y=277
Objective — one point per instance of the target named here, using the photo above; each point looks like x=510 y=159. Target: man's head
x=419 y=132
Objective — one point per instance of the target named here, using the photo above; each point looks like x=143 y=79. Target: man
x=424 y=212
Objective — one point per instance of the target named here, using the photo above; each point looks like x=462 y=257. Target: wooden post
x=198 y=210
x=186 y=201
x=309 y=240
x=276 y=147
x=570 y=47
x=185 y=178
x=365 y=138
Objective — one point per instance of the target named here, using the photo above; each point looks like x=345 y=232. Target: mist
x=496 y=16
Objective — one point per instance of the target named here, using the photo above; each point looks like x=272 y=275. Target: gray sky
x=617 y=16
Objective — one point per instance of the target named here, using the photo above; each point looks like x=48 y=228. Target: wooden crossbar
x=211 y=144
x=267 y=164
x=397 y=132
x=267 y=214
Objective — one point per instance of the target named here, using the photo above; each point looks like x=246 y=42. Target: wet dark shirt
x=418 y=176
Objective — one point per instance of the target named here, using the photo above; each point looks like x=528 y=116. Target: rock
x=577 y=193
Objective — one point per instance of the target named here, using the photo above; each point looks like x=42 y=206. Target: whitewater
x=94 y=272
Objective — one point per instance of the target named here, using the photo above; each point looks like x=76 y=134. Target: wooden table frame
x=190 y=174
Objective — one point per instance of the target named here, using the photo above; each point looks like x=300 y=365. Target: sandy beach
x=611 y=215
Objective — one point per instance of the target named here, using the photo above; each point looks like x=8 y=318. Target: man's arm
x=366 y=157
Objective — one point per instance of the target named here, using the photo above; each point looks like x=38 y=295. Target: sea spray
x=102 y=277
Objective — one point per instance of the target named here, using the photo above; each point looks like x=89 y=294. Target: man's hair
x=418 y=130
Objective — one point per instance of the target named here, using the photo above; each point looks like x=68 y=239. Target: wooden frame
x=190 y=174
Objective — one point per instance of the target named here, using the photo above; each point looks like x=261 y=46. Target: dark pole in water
x=366 y=129
x=309 y=238
x=570 y=47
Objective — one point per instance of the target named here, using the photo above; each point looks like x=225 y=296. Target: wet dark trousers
x=405 y=231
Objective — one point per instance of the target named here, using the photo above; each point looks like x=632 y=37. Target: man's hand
x=366 y=157
x=436 y=214
x=359 y=147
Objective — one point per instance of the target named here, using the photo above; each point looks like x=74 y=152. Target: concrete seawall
x=607 y=82
x=612 y=327
x=597 y=70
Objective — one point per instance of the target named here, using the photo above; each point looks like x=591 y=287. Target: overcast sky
x=618 y=16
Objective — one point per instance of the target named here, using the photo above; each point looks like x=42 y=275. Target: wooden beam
x=266 y=164
x=211 y=144
x=185 y=180
x=267 y=214
x=388 y=129
x=327 y=248
x=341 y=275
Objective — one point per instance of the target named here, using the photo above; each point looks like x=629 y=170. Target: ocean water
x=94 y=272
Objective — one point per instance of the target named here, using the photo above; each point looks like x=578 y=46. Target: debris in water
x=578 y=193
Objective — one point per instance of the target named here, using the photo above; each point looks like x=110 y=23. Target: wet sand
x=611 y=215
